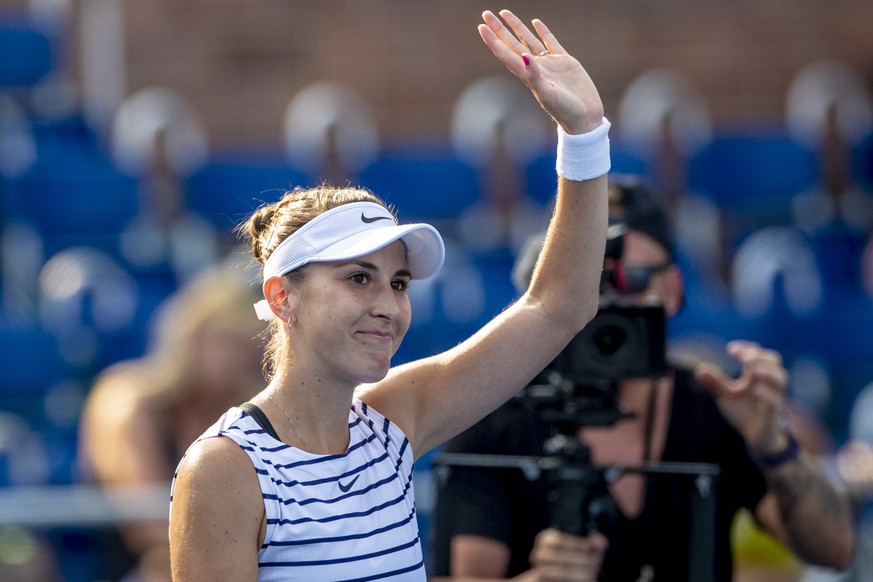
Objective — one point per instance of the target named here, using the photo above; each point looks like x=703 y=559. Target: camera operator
x=495 y=522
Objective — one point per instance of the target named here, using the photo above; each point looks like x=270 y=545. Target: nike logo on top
x=369 y=219
x=345 y=488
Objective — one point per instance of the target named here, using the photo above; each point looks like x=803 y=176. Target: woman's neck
x=313 y=412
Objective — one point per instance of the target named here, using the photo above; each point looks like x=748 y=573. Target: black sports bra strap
x=255 y=412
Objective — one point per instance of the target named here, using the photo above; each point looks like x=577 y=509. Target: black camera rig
x=580 y=388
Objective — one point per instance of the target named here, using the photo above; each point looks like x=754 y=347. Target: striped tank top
x=334 y=517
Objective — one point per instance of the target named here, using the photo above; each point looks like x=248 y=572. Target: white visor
x=350 y=231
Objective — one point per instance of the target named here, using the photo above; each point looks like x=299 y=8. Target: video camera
x=624 y=340
x=580 y=387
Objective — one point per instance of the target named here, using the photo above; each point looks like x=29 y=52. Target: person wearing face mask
x=496 y=522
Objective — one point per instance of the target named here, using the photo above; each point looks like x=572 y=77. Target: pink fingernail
x=526 y=60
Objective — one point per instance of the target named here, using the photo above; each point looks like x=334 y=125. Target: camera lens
x=620 y=342
x=605 y=347
x=609 y=339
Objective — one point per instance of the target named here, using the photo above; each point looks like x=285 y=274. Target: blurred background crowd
x=135 y=136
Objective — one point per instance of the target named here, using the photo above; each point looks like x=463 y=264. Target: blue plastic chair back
x=31 y=361
x=227 y=190
x=26 y=53
x=753 y=173
x=423 y=183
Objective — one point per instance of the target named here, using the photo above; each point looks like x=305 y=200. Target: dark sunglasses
x=629 y=280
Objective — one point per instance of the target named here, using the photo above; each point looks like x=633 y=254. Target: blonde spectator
x=141 y=414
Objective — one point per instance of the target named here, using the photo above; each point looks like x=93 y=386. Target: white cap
x=350 y=231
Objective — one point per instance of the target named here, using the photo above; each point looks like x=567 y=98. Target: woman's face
x=351 y=315
x=664 y=282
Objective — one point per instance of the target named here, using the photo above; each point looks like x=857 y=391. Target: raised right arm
x=436 y=398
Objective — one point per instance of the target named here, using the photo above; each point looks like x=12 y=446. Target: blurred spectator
x=141 y=414
x=493 y=523
x=330 y=132
x=25 y=556
x=157 y=138
x=665 y=122
x=498 y=130
x=830 y=111
x=21 y=252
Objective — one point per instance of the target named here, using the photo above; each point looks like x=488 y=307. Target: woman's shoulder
x=216 y=479
x=212 y=460
x=212 y=452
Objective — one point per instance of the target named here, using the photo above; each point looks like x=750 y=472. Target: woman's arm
x=217 y=514
x=435 y=398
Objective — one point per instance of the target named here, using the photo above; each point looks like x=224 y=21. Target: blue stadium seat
x=423 y=183
x=32 y=362
x=228 y=188
x=73 y=194
x=752 y=176
x=541 y=178
x=755 y=171
x=83 y=200
x=27 y=52
x=470 y=290
x=37 y=386
x=862 y=162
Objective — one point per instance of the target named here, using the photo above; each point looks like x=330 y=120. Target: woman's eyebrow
x=372 y=267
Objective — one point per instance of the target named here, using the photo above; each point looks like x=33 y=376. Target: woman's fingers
x=506 y=56
x=528 y=39
x=557 y=80
x=504 y=34
x=551 y=43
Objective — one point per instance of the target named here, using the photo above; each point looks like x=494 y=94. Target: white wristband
x=584 y=156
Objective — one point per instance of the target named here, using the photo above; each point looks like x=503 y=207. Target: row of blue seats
x=75 y=195
x=39 y=383
x=71 y=331
x=75 y=189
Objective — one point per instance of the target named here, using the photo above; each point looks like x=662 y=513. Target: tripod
x=578 y=493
